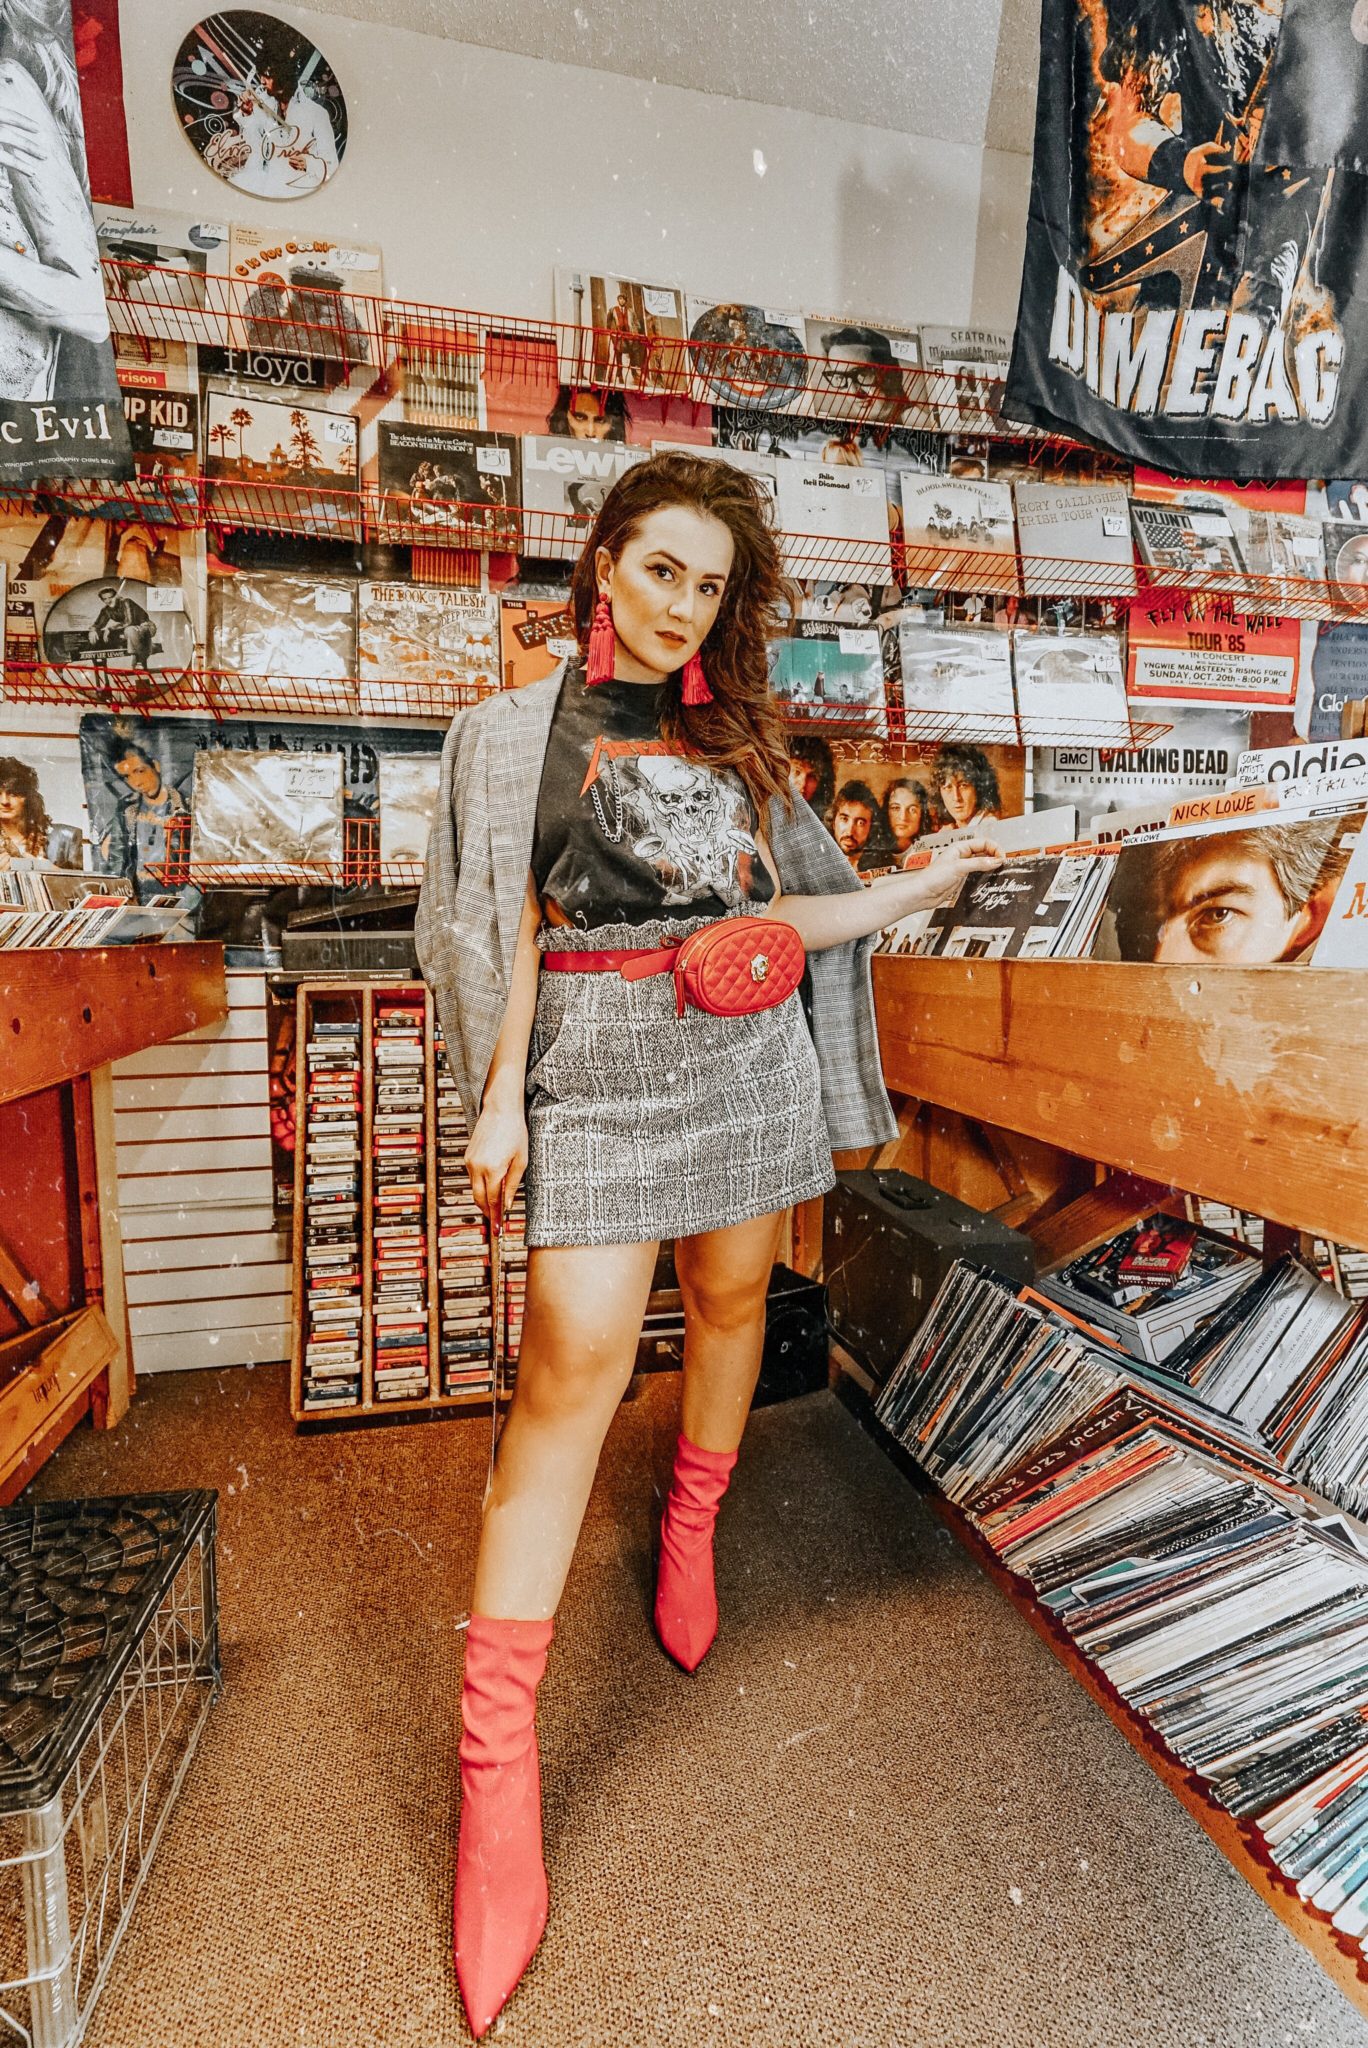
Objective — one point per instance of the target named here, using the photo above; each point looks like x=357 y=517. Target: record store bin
x=109 y=1663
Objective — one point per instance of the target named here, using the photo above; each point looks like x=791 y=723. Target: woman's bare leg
x=581 y=1327
x=723 y=1276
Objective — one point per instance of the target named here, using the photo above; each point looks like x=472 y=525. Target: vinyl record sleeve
x=450 y=487
x=1070 y=684
x=746 y=355
x=958 y=533
x=273 y=810
x=408 y=798
x=165 y=273
x=569 y=479
x=619 y=333
x=267 y=622
x=439 y=646
x=962 y=675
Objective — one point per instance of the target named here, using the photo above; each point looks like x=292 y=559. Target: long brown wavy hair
x=743 y=727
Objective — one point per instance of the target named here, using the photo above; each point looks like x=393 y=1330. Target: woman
x=582 y=822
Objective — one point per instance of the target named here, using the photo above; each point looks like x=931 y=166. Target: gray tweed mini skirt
x=643 y=1124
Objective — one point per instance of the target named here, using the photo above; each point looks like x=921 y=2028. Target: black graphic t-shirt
x=629 y=831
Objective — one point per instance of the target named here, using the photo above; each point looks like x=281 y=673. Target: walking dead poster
x=1192 y=292
x=60 y=414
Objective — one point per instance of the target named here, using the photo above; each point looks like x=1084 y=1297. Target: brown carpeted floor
x=881 y=1816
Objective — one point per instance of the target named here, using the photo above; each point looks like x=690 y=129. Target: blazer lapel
x=517 y=750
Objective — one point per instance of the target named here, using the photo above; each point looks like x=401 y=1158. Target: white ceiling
x=958 y=70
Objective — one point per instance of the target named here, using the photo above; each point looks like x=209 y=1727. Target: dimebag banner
x=60 y=411
x=1192 y=293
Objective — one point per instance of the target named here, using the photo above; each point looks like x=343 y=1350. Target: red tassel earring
x=601 y=659
x=695 y=689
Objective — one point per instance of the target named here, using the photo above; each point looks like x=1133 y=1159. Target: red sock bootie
x=686 y=1600
x=500 y=1878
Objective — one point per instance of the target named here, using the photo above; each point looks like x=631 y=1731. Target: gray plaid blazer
x=475 y=881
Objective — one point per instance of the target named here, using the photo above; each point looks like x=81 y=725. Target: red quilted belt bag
x=730 y=969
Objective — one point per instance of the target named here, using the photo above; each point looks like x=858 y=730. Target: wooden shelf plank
x=64 y=1012
x=1341 y=1958
x=1241 y=1084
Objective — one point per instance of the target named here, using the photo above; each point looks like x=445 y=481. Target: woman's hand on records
x=943 y=876
x=496 y=1158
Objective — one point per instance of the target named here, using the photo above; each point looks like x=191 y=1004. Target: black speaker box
x=887 y=1243
x=795 y=1358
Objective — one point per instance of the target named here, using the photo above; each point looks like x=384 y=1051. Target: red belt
x=633 y=963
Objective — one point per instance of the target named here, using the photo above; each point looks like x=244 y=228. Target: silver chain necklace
x=612 y=834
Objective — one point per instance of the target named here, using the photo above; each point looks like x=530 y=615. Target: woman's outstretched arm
x=822 y=921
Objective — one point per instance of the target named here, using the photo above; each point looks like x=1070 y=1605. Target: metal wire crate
x=109 y=1663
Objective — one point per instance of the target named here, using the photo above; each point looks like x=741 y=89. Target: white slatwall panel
x=207 y=1271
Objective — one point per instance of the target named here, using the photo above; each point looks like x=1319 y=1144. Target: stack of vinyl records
x=1228 y=1613
x=399 y=1295
x=1245 y=1361
x=467 y=1328
x=1153 y=1285
x=1320 y=1428
x=332 y=1215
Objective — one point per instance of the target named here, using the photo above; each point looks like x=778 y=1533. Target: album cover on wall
x=862 y=372
x=958 y=532
x=1085 y=529
x=1346 y=563
x=959 y=676
x=746 y=355
x=620 y=333
x=568 y=480
x=1196 y=538
x=47 y=556
x=40 y=773
x=164 y=273
x=831 y=672
x=1070 y=685
x=971 y=363
x=422 y=643
x=309 y=295
x=535 y=635
x=450 y=487
x=122 y=626
x=408 y=798
x=820 y=507
x=1284 y=546
x=271 y=810
x=302 y=456
x=269 y=622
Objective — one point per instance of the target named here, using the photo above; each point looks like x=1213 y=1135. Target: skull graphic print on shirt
x=627 y=828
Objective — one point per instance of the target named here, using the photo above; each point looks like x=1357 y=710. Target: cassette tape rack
x=392 y=1309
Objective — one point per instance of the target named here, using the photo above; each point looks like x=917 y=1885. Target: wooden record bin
x=1071 y=1099
x=356 y=1001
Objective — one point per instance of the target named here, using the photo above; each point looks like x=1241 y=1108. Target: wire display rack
x=109 y=1668
x=224 y=693
x=450 y=353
